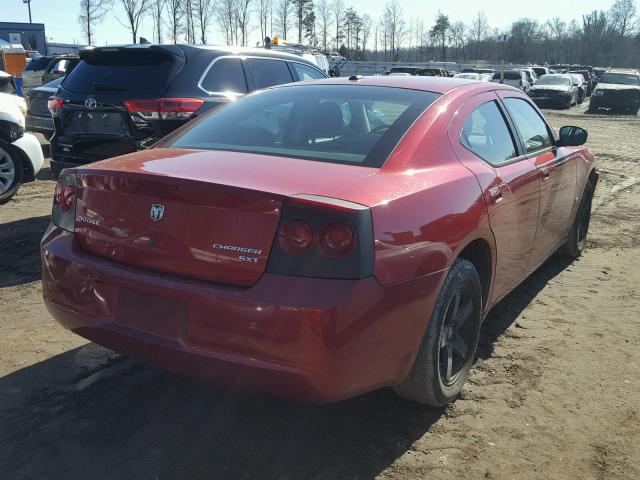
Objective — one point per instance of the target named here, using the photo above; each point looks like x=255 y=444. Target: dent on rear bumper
x=311 y=339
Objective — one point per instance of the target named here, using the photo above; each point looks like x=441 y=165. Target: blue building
x=30 y=35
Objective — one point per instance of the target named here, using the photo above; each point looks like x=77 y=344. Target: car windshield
x=621 y=78
x=7 y=85
x=358 y=125
x=550 y=80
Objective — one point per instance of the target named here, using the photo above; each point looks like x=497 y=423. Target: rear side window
x=486 y=134
x=267 y=72
x=119 y=71
x=225 y=75
x=37 y=64
x=330 y=123
x=532 y=129
x=305 y=72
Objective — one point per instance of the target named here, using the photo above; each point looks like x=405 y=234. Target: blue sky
x=60 y=16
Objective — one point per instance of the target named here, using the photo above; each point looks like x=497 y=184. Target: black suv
x=122 y=99
x=618 y=89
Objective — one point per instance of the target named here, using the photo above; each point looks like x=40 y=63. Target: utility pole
x=28 y=2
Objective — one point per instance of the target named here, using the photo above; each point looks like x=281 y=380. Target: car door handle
x=495 y=193
x=545 y=171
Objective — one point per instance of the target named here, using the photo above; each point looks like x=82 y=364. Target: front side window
x=358 y=125
x=225 y=75
x=486 y=134
x=267 y=72
x=531 y=127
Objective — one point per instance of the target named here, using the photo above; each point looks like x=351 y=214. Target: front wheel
x=449 y=344
x=578 y=235
x=11 y=173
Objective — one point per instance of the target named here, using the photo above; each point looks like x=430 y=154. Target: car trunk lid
x=206 y=215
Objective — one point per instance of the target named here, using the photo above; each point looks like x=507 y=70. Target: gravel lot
x=555 y=391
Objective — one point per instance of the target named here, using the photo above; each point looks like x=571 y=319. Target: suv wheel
x=11 y=173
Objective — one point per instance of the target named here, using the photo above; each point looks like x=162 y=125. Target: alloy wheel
x=456 y=335
x=7 y=171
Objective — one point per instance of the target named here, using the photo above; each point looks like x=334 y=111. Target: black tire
x=11 y=172
x=577 y=240
x=442 y=364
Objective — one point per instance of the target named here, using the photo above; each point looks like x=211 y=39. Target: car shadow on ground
x=20 y=245
x=505 y=313
x=90 y=411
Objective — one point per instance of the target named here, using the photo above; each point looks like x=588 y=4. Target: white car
x=20 y=153
x=515 y=78
x=469 y=76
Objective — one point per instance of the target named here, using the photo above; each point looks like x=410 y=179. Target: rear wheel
x=578 y=235
x=449 y=345
x=11 y=173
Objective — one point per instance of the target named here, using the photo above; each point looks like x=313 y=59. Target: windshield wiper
x=106 y=87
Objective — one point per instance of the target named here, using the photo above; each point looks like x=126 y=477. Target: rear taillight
x=64 y=201
x=164 y=108
x=323 y=237
x=55 y=105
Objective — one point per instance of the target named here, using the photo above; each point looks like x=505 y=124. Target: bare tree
x=156 y=12
x=478 y=30
x=175 y=12
x=394 y=27
x=366 y=31
x=204 y=13
x=227 y=20
x=458 y=34
x=263 y=9
x=284 y=14
x=92 y=12
x=323 y=14
x=337 y=8
x=243 y=18
x=187 y=6
x=623 y=17
x=134 y=10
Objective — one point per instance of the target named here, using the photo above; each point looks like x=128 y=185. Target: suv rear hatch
x=94 y=122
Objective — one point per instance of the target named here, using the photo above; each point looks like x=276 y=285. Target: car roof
x=441 y=85
x=627 y=71
x=186 y=48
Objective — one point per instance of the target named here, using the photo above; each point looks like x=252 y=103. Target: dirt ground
x=554 y=394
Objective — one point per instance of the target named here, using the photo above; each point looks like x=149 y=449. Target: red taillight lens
x=65 y=196
x=55 y=105
x=165 y=108
x=336 y=239
x=296 y=237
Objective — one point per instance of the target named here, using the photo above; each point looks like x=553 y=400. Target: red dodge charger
x=319 y=240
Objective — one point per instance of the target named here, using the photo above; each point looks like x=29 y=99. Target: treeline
x=602 y=37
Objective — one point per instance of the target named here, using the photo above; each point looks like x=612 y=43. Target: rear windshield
x=550 y=80
x=508 y=75
x=620 y=78
x=37 y=64
x=358 y=125
x=118 y=71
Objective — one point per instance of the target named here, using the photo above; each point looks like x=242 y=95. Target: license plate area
x=155 y=314
x=110 y=123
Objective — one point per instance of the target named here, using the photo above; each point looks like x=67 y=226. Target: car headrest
x=326 y=120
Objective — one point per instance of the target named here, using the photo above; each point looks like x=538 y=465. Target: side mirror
x=572 y=136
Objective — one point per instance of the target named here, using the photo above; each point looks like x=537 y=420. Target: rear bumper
x=40 y=124
x=309 y=339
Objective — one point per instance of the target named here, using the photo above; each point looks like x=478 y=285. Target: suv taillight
x=64 y=201
x=55 y=105
x=323 y=237
x=165 y=108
